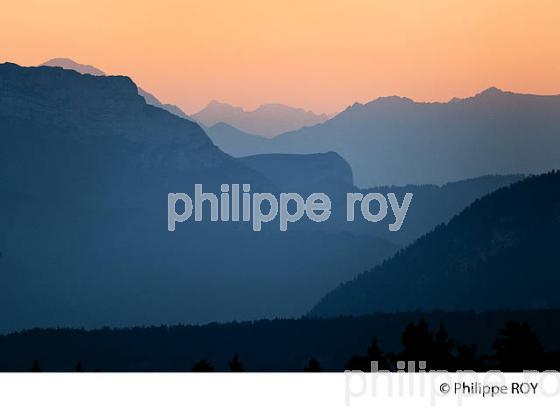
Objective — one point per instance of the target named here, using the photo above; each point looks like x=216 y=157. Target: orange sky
x=317 y=54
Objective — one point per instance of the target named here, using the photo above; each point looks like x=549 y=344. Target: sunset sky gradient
x=321 y=55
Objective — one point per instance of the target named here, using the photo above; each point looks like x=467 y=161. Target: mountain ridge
x=267 y=120
x=498 y=253
x=69 y=64
x=398 y=141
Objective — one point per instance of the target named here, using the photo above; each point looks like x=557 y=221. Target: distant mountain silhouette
x=235 y=142
x=267 y=120
x=152 y=100
x=86 y=166
x=302 y=173
x=499 y=253
x=396 y=141
x=69 y=64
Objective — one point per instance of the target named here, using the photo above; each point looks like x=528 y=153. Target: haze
x=318 y=55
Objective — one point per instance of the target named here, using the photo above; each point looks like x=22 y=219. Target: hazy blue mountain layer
x=396 y=141
x=267 y=120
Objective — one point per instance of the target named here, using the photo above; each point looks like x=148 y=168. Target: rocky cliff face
x=86 y=109
x=150 y=99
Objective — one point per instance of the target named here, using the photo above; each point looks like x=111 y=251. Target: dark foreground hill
x=499 y=253
x=434 y=204
x=288 y=345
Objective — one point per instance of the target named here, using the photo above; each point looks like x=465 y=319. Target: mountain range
x=85 y=169
x=267 y=120
x=396 y=141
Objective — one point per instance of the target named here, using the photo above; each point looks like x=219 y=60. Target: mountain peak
x=215 y=105
x=388 y=101
x=392 y=99
x=491 y=92
x=268 y=120
x=70 y=64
